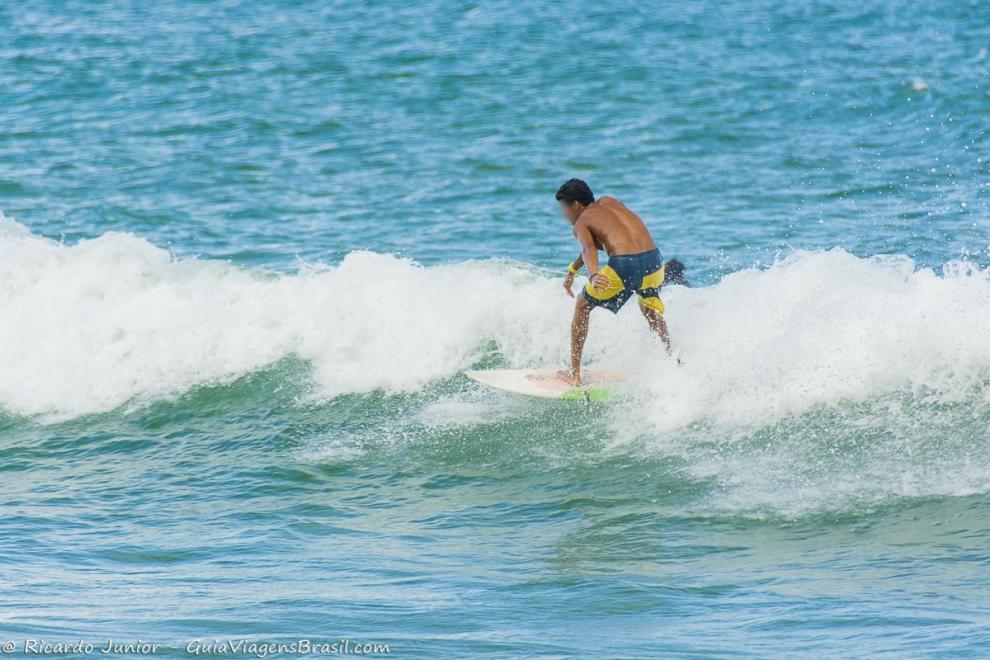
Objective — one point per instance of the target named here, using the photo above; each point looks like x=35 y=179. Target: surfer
x=634 y=265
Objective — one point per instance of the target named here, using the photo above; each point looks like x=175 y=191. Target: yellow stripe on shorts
x=614 y=285
x=654 y=303
x=653 y=280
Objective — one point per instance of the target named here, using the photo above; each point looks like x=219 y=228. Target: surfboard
x=597 y=385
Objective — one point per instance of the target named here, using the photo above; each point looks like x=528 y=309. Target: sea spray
x=92 y=326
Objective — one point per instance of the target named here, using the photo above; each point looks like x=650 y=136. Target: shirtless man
x=634 y=265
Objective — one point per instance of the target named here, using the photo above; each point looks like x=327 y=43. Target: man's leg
x=579 y=332
x=657 y=323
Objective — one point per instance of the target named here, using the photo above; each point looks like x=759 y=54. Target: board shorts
x=627 y=274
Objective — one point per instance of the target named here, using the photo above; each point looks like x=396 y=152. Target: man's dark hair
x=575 y=190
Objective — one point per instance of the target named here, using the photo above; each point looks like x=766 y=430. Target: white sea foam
x=90 y=327
x=818 y=329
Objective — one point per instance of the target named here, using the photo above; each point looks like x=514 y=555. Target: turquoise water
x=248 y=248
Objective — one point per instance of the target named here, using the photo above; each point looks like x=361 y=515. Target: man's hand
x=600 y=282
x=568 y=283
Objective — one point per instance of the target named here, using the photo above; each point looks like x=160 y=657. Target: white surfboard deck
x=546 y=384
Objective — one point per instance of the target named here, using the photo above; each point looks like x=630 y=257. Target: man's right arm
x=589 y=251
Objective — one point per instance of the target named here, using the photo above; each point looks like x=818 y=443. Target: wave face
x=824 y=382
x=116 y=320
x=93 y=326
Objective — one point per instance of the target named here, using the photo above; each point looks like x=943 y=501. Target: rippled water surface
x=247 y=249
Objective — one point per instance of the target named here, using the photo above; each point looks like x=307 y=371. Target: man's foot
x=569 y=377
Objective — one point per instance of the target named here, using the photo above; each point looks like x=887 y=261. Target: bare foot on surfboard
x=568 y=377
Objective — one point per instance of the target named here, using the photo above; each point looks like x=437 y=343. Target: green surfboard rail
x=588 y=395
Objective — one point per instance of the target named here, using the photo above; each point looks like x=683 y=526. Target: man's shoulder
x=603 y=209
x=609 y=203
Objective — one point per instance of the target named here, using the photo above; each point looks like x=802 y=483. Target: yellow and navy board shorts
x=627 y=274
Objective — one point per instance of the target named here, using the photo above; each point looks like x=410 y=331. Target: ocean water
x=247 y=249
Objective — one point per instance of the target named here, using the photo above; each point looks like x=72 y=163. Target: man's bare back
x=615 y=228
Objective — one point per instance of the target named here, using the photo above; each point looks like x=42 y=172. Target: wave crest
x=90 y=327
